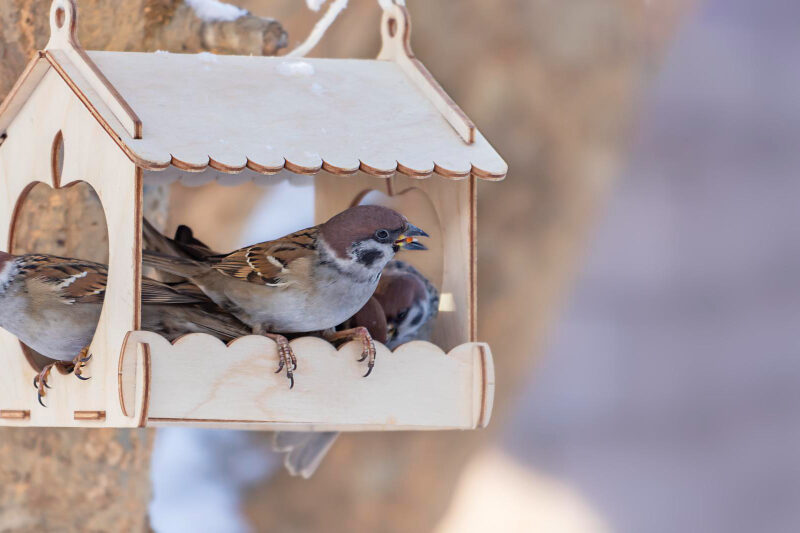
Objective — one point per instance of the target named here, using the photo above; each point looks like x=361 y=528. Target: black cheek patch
x=368 y=257
x=417 y=319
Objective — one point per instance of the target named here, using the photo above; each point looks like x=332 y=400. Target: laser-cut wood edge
x=206 y=385
x=396 y=46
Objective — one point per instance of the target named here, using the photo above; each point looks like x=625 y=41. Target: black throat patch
x=368 y=257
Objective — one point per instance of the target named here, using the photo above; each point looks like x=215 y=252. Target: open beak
x=413 y=231
x=407 y=240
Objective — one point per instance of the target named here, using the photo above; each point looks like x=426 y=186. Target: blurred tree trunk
x=94 y=479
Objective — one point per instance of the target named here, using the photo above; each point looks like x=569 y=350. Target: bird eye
x=382 y=235
x=402 y=315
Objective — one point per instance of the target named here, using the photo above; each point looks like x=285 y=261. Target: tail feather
x=156 y=241
x=191 y=246
x=172 y=321
x=304 y=450
x=171 y=264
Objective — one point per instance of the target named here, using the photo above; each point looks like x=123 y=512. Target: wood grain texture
x=200 y=380
x=346 y=113
x=396 y=47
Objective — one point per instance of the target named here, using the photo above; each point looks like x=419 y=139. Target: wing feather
x=271 y=262
x=78 y=281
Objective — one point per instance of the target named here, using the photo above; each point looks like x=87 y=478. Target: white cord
x=386 y=4
x=322 y=25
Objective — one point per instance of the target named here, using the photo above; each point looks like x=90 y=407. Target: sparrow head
x=370 y=235
x=405 y=302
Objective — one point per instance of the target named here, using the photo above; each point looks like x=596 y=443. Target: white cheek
x=6 y=273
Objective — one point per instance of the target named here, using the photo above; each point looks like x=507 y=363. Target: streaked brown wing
x=80 y=281
x=75 y=281
x=269 y=262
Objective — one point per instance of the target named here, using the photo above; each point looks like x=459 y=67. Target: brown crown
x=359 y=223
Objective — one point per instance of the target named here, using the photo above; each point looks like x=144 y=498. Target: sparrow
x=406 y=301
x=402 y=309
x=310 y=280
x=53 y=305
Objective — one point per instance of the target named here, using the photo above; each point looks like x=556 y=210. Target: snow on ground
x=199 y=477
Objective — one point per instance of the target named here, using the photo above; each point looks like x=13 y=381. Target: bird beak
x=407 y=240
x=413 y=231
x=391 y=331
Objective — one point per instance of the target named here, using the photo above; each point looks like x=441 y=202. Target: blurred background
x=636 y=281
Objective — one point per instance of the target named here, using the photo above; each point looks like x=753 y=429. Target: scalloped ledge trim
x=327 y=166
x=417 y=386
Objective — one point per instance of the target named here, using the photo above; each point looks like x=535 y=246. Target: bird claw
x=287 y=357
x=370 y=366
x=368 y=353
x=36 y=382
x=79 y=362
x=40 y=379
x=40 y=383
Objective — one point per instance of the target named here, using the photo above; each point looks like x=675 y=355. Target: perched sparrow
x=310 y=280
x=53 y=304
x=401 y=310
x=408 y=303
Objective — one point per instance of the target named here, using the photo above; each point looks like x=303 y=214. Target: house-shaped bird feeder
x=373 y=131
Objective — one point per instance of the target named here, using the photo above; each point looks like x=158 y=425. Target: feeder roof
x=195 y=111
x=263 y=112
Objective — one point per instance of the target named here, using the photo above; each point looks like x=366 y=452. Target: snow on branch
x=214 y=10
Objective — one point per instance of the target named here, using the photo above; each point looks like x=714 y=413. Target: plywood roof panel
x=230 y=112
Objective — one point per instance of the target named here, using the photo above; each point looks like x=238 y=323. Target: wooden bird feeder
x=366 y=130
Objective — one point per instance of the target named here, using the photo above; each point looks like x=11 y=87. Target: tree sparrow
x=53 y=304
x=409 y=302
x=310 y=280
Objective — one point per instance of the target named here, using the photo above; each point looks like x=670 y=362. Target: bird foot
x=40 y=379
x=40 y=382
x=79 y=362
x=360 y=333
x=287 y=357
